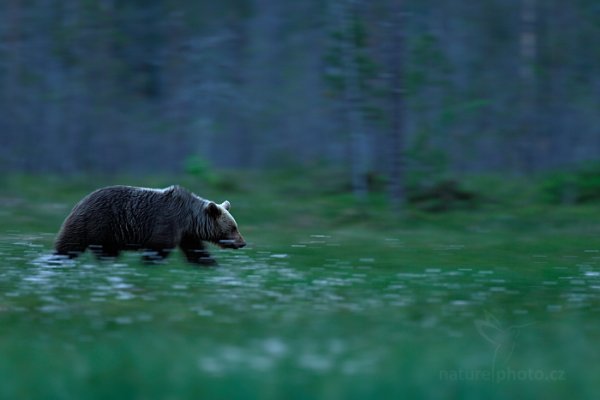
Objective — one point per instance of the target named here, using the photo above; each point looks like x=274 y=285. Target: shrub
x=443 y=195
x=579 y=186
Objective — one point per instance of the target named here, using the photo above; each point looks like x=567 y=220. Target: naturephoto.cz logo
x=502 y=375
x=503 y=341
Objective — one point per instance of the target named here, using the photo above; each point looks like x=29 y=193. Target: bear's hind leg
x=152 y=256
x=70 y=250
x=105 y=253
x=70 y=254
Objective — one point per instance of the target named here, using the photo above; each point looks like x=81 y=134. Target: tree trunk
x=528 y=49
x=396 y=179
x=353 y=102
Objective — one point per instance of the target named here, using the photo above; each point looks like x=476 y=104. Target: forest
x=155 y=85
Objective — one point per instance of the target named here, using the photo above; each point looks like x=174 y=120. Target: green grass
x=332 y=299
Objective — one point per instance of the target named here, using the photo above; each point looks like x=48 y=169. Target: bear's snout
x=235 y=243
x=239 y=243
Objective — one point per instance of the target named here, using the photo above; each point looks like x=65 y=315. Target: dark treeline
x=144 y=85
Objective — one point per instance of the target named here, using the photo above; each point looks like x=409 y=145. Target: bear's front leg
x=197 y=254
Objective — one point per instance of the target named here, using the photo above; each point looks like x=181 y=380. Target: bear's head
x=223 y=228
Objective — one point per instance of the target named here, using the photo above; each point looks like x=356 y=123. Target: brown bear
x=118 y=218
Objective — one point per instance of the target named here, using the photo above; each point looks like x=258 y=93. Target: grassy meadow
x=331 y=299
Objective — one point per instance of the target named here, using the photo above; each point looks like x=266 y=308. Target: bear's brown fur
x=118 y=218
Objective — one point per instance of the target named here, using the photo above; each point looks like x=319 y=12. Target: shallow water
x=273 y=323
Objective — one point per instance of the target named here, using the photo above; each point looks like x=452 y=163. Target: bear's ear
x=213 y=209
x=226 y=205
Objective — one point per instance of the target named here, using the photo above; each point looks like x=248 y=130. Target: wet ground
x=294 y=322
